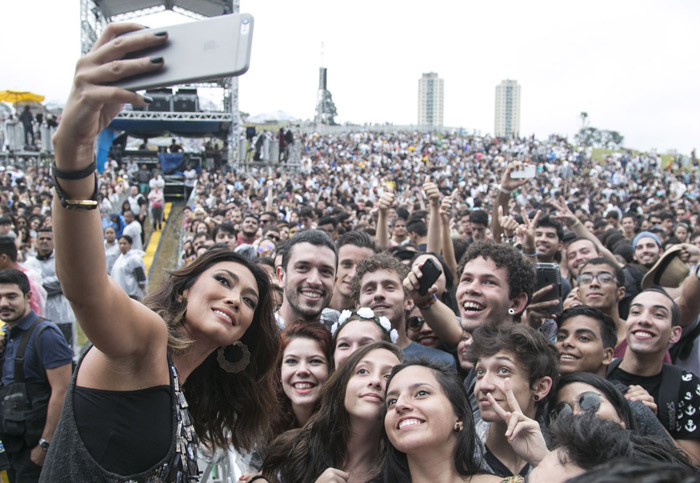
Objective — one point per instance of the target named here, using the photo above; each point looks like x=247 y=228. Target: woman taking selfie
x=208 y=330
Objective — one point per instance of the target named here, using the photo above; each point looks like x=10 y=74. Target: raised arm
x=567 y=217
x=448 y=249
x=432 y=193
x=385 y=201
x=439 y=316
x=689 y=300
x=505 y=190
x=118 y=326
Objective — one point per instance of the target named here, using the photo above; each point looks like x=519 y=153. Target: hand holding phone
x=203 y=50
x=528 y=171
x=431 y=272
x=550 y=274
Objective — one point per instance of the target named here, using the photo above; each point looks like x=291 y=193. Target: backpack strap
x=668 y=395
x=38 y=352
x=611 y=367
x=19 y=357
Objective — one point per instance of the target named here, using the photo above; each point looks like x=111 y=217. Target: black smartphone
x=550 y=274
x=431 y=272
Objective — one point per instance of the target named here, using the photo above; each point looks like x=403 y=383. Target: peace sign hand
x=524 y=434
x=564 y=214
x=527 y=231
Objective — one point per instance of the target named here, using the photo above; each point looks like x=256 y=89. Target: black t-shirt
x=685 y=407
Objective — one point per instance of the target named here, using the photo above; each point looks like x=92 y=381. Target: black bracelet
x=80 y=174
x=90 y=204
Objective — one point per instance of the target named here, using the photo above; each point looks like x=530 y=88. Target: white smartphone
x=197 y=51
x=528 y=171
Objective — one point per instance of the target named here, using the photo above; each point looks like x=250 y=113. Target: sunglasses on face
x=414 y=323
x=588 y=402
x=274 y=237
x=603 y=278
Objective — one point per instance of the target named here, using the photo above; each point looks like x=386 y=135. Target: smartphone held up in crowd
x=198 y=51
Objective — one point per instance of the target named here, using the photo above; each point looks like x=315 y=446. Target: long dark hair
x=228 y=409
x=608 y=390
x=465 y=453
x=301 y=455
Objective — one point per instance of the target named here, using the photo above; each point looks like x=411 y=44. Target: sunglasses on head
x=588 y=402
x=414 y=323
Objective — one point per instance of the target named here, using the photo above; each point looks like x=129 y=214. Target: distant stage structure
x=180 y=106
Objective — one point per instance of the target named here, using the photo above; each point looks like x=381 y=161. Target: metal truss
x=176 y=116
x=94 y=15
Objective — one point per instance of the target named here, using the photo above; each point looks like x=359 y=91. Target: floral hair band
x=365 y=313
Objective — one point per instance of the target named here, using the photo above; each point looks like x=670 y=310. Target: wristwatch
x=43 y=444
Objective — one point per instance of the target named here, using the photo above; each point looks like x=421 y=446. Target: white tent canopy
x=275 y=116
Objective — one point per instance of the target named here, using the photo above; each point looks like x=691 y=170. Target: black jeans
x=22 y=469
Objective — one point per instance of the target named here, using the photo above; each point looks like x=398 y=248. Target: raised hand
x=92 y=103
x=638 y=393
x=510 y=184
x=432 y=193
x=523 y=433
x=563 y=214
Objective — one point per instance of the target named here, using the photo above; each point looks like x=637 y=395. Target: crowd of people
x=299 y=329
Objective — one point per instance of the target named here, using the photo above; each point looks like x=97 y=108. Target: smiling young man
x=378 y=285
x=495 y=286
x=353 y=247
x=602 y=286
x=651 y=326
x=309 y=264
x=578 y=252
x=586 y=338
x=585 y=341
x=647 y=249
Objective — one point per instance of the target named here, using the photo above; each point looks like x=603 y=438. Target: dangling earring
x=229 y=362
x=511 y=311
x=458 y=426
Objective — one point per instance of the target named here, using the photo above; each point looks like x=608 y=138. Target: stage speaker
x=162 y=99
x=185 y=100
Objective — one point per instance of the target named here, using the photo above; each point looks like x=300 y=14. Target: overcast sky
x=633 y=66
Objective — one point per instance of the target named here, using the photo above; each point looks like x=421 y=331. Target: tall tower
x=325 y=107
x=430 y=100
x=507 y=120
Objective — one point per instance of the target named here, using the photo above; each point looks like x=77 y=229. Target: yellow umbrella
x=19 y=96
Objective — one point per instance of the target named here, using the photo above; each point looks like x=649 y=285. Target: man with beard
x=249 y=230
x=39 y=382
x=647 y=250
x=309 y=264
